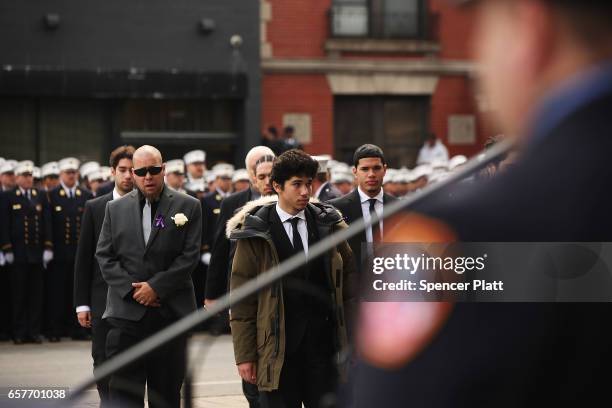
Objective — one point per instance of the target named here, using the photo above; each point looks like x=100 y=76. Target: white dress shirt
x=428 y=154
x=285 y=218
x=70 y=192
x=365 y=210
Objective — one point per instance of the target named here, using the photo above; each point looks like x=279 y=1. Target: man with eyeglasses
x=148 y=248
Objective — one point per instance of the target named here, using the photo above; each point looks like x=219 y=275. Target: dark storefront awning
x=130 y=83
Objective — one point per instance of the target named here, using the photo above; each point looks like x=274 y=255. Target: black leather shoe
x=18 y=341
x=36 y=340
x=54 y=339
x=82 y=336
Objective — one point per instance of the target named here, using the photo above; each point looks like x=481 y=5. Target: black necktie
x=297 y=239
x=375 y=227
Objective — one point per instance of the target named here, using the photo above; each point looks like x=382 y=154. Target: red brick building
x=347 y=72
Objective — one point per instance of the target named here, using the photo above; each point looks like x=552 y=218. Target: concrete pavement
x=66 y=363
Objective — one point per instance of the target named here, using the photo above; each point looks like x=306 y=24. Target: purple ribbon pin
x=159 y=222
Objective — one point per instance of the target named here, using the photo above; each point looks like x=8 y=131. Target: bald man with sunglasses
x=148 y=248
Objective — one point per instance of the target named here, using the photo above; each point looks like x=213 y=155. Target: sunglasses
x=153 y=170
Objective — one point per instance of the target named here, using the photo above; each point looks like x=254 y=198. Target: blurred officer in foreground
x=67 y=202
x=26 y=243
x=89 y=287
x=546 y=68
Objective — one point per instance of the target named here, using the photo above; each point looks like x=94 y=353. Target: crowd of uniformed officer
x=41 y=211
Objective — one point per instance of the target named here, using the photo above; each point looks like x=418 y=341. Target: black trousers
x=26 y=280
x=61 y=317
x=162 y=371
x=5 y=303
x=99 y=331
x=308 y=375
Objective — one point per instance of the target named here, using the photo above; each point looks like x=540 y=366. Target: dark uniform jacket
x=26 y=228
x=66 y=216
x=522 y=354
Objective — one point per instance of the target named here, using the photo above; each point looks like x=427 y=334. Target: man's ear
x=277 y=187
x=354 y=169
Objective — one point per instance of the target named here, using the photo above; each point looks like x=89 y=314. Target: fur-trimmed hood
x=329 y=213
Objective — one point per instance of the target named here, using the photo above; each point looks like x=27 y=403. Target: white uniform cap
x=194 y=186
x=2 y=161
x=106 y=173
x=241 y=175
x=456 y=161
x=88 y=168
x=175 y=166
x=322 y=161
x=438 y=177
x=195 y=156
x=420 y=171
x=26 y=166
x=50 y=169
x=389 y=176
x=36 y=173
x=69 y=163
x=402 y=176
x=438 y=164
x=7 y=167
x=223 y=170
x=338 y=167
x=210 y=177
x=342 y=177
x=95 y=175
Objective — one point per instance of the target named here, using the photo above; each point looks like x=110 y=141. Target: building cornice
x=367 y=66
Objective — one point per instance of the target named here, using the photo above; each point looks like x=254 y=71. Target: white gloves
x=9 y=258
x=206 y=258
x=47 y=257
x=2 y=259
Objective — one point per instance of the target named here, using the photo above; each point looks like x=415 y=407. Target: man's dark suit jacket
x=89 y=286
x=165 y=262
x=218 y=270
x=350 y=207
x=523 y=354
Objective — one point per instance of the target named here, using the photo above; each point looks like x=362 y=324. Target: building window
x=379 y=18
x=398 y=124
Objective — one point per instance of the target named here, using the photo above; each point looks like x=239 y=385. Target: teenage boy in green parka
x=287 y=337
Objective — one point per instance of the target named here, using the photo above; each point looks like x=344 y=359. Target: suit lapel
x=137 y=217
x=357 y=212
x=281 y=240
x=162 y=210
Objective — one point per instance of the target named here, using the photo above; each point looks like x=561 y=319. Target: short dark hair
x=273 y=130
x=293 y=163
x=368 y=150
x=122 y=152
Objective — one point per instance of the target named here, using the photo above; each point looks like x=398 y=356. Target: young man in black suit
x=369 y=169
x=148 y=248
x=546 y=70
x=89 y=286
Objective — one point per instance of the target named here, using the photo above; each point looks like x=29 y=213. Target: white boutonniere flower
x=179 y=219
